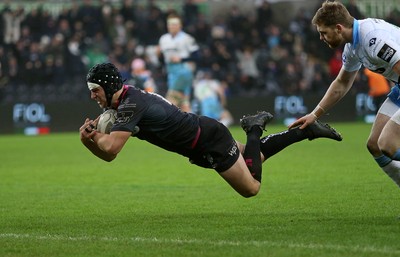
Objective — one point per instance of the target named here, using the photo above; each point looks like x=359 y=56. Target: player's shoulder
x=132 y=92
x=375 y=27
x=374 y=32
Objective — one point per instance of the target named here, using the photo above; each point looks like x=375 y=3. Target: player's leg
x=254 y=125
x=245 y=175
x=239 y=178
x=216 y=148
x=377 y=127
x=389 y=143
x=173 y=96
x=389 y=140
x=274 y=143
x=388 y=165
x=184 y=84
x=210 y=107
x=226 y=117
x=185 y=104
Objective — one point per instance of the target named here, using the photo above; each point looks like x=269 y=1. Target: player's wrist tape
x=319 y=107
x=313 y=114
x=318 y=111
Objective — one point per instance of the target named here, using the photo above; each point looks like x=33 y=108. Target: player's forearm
x=336 y=91
x=333 y=95
x=94 y=148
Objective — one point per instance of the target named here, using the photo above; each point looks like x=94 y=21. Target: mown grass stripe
x=355 y=248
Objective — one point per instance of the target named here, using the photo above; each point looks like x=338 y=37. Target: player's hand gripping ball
x=106 y=121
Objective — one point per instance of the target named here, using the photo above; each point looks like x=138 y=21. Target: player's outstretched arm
x=336 y=91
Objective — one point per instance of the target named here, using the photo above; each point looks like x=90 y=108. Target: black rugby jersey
x=160 y=122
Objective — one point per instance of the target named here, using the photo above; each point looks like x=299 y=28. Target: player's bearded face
x=330 y=36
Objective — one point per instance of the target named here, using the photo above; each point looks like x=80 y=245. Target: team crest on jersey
x=386 y=53
x=372 y=41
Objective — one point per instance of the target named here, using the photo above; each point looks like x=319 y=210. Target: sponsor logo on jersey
x=232 y=151
x=372 y=41
x=386 y=53
x=124 y=116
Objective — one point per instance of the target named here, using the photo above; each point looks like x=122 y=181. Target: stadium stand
x=45 y=53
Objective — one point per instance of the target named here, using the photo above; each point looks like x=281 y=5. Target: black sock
x=274 y=143
x=251 y=153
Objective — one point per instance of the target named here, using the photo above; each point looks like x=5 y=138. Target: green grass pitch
x=318 y=198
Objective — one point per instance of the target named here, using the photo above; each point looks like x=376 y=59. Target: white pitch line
x=355 y=248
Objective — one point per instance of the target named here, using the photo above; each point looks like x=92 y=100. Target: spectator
x=64 y=28
x=394 y=17
x=55 y=56
x=83 y=33
x=335 y=63
x=34 y=21
x=354 y=10
x=49 y=24
x=128 y=11
x=202 y=30
x=12 y=24
x=247 y=59
x=155 y=24
x=300 y=24
x=236 y=21
x=190 y=12
x=141 y=77
x=290 y=79
x=264 y=16
x=274 y=36
x=34 y=64
x=224 y=58
x=91 y=18
x=74 y=56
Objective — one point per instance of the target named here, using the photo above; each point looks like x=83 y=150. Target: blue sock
x=383 y=160
x=396 y=155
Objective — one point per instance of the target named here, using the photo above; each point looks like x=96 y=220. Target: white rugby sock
x=393 y=171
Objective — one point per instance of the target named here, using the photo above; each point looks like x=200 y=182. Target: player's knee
x=372 y=146
x=250 y=191
x=386 y=147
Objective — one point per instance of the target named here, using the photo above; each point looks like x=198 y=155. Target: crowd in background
x=46 y=57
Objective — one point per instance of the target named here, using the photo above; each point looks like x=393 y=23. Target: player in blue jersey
x=179 y=51
x=203 y=140
x=374 y=44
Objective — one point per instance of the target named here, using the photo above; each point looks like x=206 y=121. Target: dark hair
x=332 y=13
x=108 y=77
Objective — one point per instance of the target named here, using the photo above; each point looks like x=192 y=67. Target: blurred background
x=264 y=53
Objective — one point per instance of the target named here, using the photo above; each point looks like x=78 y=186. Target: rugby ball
x=106 y=121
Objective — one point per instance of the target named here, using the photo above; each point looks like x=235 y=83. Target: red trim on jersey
x=122 y=94
x=194 y=143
